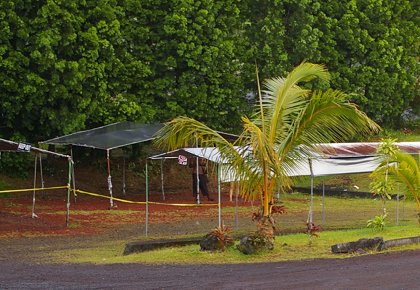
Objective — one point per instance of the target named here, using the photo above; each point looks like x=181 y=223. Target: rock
x=212 y=243
x=252 y=244
x=376 y=243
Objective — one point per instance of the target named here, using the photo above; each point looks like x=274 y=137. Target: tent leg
x=72 y=175
x=161 y=179
x=312 y=201
x=218 y=196
x=147 y=199
x=111 y=202
x=398 y=206
x=310 y=216
x=33 y=195
x=198 y=181
x=236 y=205
x=40 y=172
x=323 y=202
x=68 y=192
x=123 y=185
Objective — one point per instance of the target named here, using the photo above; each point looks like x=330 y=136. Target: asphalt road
x=399 y=270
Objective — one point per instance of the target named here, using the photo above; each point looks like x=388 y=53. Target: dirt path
x=384 y=271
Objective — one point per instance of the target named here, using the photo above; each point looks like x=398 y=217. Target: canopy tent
x=211 y=154
x=327 y=159
x=107 y=138
x=110 y=136
x=114 y=136
x=11 y=146
x=344 y=158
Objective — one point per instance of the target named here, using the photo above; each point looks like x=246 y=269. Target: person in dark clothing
x=201 y=168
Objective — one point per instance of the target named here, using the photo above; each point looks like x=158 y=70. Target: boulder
x=252 y=244
x=376 y=243
x=212 y=243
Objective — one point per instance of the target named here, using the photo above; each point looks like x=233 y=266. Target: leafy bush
x=378 y=222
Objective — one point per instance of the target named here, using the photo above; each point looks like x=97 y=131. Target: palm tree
x=288 y=115
x=405 y=171
x=381 y=185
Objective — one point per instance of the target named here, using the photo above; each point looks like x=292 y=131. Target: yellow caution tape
x=33 y=189
x=141 y=202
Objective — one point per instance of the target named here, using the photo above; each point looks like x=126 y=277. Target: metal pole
x=198 y=180
x=398 y=205
x=73 y=176
x=310 y=218
x=123 y=186
x=40 y=172
x=33 y=195
x=111 y=203
x=68 y=192
x=236 y=203
x=147 y=199
x=218 y=195
x=323 y=202
x=161 y=179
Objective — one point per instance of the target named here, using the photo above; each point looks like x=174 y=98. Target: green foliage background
x=67 y=65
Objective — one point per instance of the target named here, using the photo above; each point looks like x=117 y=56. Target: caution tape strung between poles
x=141 y=202
x=33 y=189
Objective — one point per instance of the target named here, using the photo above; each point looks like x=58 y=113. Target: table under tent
x=328 y=159
x=22 y=147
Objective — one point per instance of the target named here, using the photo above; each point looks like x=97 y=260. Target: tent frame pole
x=323 y=202
x=161 y=178
x=70 y=161
x=72 y=173
x=111 y=202
x=219 y=205
x=310 y=216
x=123 y=185
x=40 y=171
x=34 y=192
x=147 y=200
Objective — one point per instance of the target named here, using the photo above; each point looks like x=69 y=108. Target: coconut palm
x=287 y=115
x=405 y=171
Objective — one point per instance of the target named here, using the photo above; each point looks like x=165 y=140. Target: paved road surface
x=385 y=271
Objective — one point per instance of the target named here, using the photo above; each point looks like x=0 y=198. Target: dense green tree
x=68 y=65
x=373 y=48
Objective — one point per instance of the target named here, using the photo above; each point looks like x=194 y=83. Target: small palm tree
x=288 y=115
x=381 y=185
x=405 y=171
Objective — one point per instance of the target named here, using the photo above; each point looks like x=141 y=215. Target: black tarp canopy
x=110 y=137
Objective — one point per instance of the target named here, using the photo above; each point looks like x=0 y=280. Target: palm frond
x=328 y=117
x=187 y=132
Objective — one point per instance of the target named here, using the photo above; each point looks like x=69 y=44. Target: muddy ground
x=26 y=241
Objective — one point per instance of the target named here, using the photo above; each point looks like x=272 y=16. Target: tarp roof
x=11 y=146
x=209 y=153
x=333 y=158
x=114 y=136
x=341 y=150
x=110 y=136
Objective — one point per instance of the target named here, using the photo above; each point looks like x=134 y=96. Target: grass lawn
x=344 y=221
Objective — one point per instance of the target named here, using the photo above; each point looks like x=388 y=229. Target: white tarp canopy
x=331 y=159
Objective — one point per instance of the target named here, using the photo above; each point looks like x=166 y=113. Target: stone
x=249 y=245
x=376 y=243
